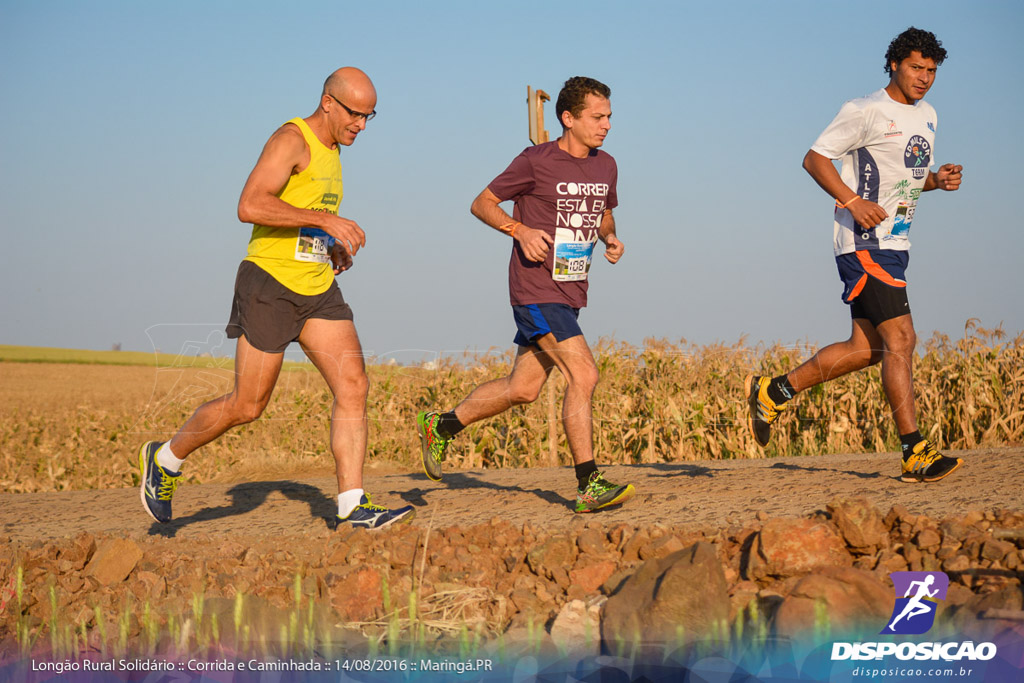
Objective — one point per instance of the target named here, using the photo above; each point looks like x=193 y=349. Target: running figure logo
x=914 y=612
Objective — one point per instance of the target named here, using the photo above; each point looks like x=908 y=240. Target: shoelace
x=168 y=485
x=766 y=411
x=368 y=505
x=599 y=484
x=928 y=454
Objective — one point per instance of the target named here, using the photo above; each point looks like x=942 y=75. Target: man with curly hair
x=886 y=142
x=564 y=192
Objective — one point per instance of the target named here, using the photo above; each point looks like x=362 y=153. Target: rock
x=953 y=530
x=526 y=601
x=661 y=547
x=969 y=617
x=891 y=561
x=113 y=561
x=740 y=595
x=154 y=583
x=682 y=592
x=631 y=549
x=357 y=596
x=577 y=628
x=560 y=577
x=591 y=541
x=615 y=581
x=791 y=547
x=860 y=524
x=405 y=551
x=841 y=599
x=81 y=550
x=928 y=538
x=617 y=534
x=555 y=552
x=592 y=576
x=994 y=549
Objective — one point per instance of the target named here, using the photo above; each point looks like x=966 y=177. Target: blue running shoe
x=158 y=484
x=366 y=515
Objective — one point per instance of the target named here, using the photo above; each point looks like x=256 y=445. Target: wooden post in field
x=535 y=100
x=552 y=425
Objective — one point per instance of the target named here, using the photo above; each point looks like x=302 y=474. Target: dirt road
x=710 y=493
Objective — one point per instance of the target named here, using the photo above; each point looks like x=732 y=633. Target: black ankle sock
x=780 y=390
x=583 y=472
x=908 y=441
x=448 y=425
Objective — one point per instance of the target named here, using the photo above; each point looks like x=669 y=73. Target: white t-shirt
x=886 y=148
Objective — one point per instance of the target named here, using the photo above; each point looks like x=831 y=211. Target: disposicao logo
x=917 y=596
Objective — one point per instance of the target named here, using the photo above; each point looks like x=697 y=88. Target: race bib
x=904 y=215
x=572 y=255
x=313 y=246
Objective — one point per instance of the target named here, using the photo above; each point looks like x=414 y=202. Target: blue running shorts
x=536 y=320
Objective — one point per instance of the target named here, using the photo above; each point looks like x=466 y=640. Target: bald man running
x=285 y=291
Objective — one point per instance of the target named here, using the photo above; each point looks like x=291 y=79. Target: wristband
x=851 y=201
x=509 y=228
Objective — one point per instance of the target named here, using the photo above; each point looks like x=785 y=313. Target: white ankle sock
x=165 y=458
x=347 y=501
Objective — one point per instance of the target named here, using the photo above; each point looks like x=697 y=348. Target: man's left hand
x=340 y=258
x=613 y=249
x=949 y=176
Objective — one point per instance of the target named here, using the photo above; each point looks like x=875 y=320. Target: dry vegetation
x=79 y=427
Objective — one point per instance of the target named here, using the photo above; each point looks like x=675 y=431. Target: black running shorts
x=271 y=316
x=878 y=302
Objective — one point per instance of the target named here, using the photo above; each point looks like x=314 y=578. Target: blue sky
x=129 y=128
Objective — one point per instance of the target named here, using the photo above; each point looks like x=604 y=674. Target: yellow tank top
x=299 y=258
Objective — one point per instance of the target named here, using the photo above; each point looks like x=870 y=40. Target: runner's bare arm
x=613 y=248
x=341 y=260
x=948 y=178
x=284 y=155
x=867 y=213
x=534 y=243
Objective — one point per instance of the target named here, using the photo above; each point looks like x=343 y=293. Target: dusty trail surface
x=699 y=494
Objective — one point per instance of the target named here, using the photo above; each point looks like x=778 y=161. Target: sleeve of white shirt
x=844 y=134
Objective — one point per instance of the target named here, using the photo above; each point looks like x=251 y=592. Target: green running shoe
x=601 y=493
x=433 y=445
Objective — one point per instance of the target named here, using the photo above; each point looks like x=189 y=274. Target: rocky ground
x=779 y=548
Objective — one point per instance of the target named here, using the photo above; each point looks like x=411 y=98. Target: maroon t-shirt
x=566 y=197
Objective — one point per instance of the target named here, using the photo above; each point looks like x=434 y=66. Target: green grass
x=43 y=354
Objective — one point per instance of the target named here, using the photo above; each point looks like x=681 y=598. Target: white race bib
x=572 y=255
x=313 y=245
x=903 y=218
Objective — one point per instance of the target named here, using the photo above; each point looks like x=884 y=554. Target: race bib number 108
x=572 y=255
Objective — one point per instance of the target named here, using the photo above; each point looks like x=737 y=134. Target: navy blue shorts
x=536 y=320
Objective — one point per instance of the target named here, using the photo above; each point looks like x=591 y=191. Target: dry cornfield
x=68 y=427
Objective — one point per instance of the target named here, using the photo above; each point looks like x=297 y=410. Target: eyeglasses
x=353 y=112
